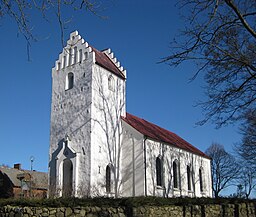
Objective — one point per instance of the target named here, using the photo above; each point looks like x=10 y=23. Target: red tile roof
x=162 y=135
x=104 y=61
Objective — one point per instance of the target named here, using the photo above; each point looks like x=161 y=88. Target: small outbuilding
x=18 y=183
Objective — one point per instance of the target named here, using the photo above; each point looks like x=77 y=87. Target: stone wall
x=15 y=211
x=213 y=210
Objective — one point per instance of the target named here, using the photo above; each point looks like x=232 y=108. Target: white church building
x=98 y=149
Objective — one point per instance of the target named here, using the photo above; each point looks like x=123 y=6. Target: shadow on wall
x=61 y=163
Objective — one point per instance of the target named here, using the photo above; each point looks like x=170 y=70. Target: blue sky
x=139 y=33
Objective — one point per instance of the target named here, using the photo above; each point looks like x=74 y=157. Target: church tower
x=88 y=100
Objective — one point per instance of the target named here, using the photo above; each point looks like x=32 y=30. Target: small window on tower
x=108 y=179
x=69 y=81
x=111 y=83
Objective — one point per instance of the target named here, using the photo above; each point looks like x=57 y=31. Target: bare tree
x=246 y=151
x=21 y=13
x=220 y=36
x=247 y=180
x=224 y=168
x=247 y=148
x=111 y=105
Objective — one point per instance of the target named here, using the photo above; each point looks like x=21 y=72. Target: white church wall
x=168 y=154
x=86 y=129
x=107 y=107
x=71 y=108
x=133 y=178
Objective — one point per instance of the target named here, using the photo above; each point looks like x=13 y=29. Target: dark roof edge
x=202 y=154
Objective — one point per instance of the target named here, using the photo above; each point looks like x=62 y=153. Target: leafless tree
x=247 y=148
x=220 y=36
x=22 y=13
x=247 y=180
x=225 y=169
x=111 y=106
x=246 y=151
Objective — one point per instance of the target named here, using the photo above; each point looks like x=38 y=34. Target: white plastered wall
x=70 y=110
x=67 y=152
x=168 y=154
x=133 y=178
x=107 y=108
x=134 y=174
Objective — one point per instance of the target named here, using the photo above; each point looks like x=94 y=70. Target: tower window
x=108 y=178
x=159 y=172
x=111 y=82
x=69 y=81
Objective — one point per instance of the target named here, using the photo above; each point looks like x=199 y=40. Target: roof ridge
x=158 y=133
x=100 y=59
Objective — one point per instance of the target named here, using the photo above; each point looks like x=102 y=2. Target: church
x=98 y=149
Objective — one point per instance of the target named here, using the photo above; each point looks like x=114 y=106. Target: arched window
x=108 y=178
x=69 y=81
x=111 y=83
x=201 y=180
x=67 y=187
x=189 y=177
x=175 y=174
x=159 y=172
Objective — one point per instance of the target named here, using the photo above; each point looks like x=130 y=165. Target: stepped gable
x=78 y=50
x=162 y=135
